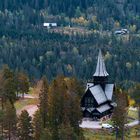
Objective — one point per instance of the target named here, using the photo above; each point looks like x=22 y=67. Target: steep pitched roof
x=98 y=94
x=100 y=68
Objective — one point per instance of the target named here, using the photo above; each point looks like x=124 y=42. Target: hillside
x=103 y=14
x=26 y=45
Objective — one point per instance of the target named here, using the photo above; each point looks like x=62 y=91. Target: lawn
x=24 y=102
x=133 y=114
x=98 y=135
x=131 y=134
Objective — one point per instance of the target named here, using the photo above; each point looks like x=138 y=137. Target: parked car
x=107 y=126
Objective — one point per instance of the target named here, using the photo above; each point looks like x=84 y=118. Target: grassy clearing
x=24 y=102
x=133 y=114
x=97 y=135
x=131 y=134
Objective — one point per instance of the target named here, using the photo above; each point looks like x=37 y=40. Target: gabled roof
x=103 y=108
x=109 y=91
x=98 y=94
x=100 y=68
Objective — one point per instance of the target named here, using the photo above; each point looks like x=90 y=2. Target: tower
x=101 y=75
x=97 y=101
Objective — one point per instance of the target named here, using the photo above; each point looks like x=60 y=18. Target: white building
x=50 y=25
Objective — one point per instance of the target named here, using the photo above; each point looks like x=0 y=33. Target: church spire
x=100 y=68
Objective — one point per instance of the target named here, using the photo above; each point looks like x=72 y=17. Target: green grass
x=97 y=135
x=132 y=133
x=133 y=114
x=106 y=135
x=24 y=102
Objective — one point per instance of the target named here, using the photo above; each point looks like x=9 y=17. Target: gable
x=88 y=94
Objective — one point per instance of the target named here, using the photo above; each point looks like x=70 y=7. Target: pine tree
x=64 y=107
x=1 y=123
x=9 y=119
x=57 y=92
x=37 y=126
x=66 y=132
x=46 y=135
x=43 y=100
x=75 y=91
x=23 y=83
x=2 y=95
x=136 y=96
x=9 y=85
x=119 y=117
x=24 y=126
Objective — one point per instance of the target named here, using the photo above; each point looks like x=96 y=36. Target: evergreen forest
x=25 y=45
x=67 y=56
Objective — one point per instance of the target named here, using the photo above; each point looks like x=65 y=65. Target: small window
x=89 y=102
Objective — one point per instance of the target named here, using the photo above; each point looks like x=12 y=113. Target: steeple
x=100 y=68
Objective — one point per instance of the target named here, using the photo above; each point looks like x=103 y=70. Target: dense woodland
x=108 y=13
x=53 y=119
x=31 y=51
x=26 y=46
x=41 y=53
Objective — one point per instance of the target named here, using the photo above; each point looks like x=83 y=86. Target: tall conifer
x=43 y=100
x=24 y=126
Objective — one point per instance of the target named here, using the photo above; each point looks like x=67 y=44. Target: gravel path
x=90 y=124
x=31 y=109
x=97 y=124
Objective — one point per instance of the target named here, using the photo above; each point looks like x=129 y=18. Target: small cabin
x=50 y=25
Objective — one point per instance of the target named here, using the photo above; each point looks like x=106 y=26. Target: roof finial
x=100 y=68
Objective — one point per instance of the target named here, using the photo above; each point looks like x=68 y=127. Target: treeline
x=41 y=53
x=97 y=15
x=26 y=46
x=58 y=115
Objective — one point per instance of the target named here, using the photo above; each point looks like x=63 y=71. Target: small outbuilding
x=50 y=25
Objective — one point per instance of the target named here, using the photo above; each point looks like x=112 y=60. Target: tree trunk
x=139 y=114
x=2 y=130
x=122 y=134
x=17 y=94
x=116 y=133
x=9 y=132
x=23 y=95
x=2 y=101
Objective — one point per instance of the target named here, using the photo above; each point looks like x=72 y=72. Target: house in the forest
x=50 y=25
x=97 y=100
